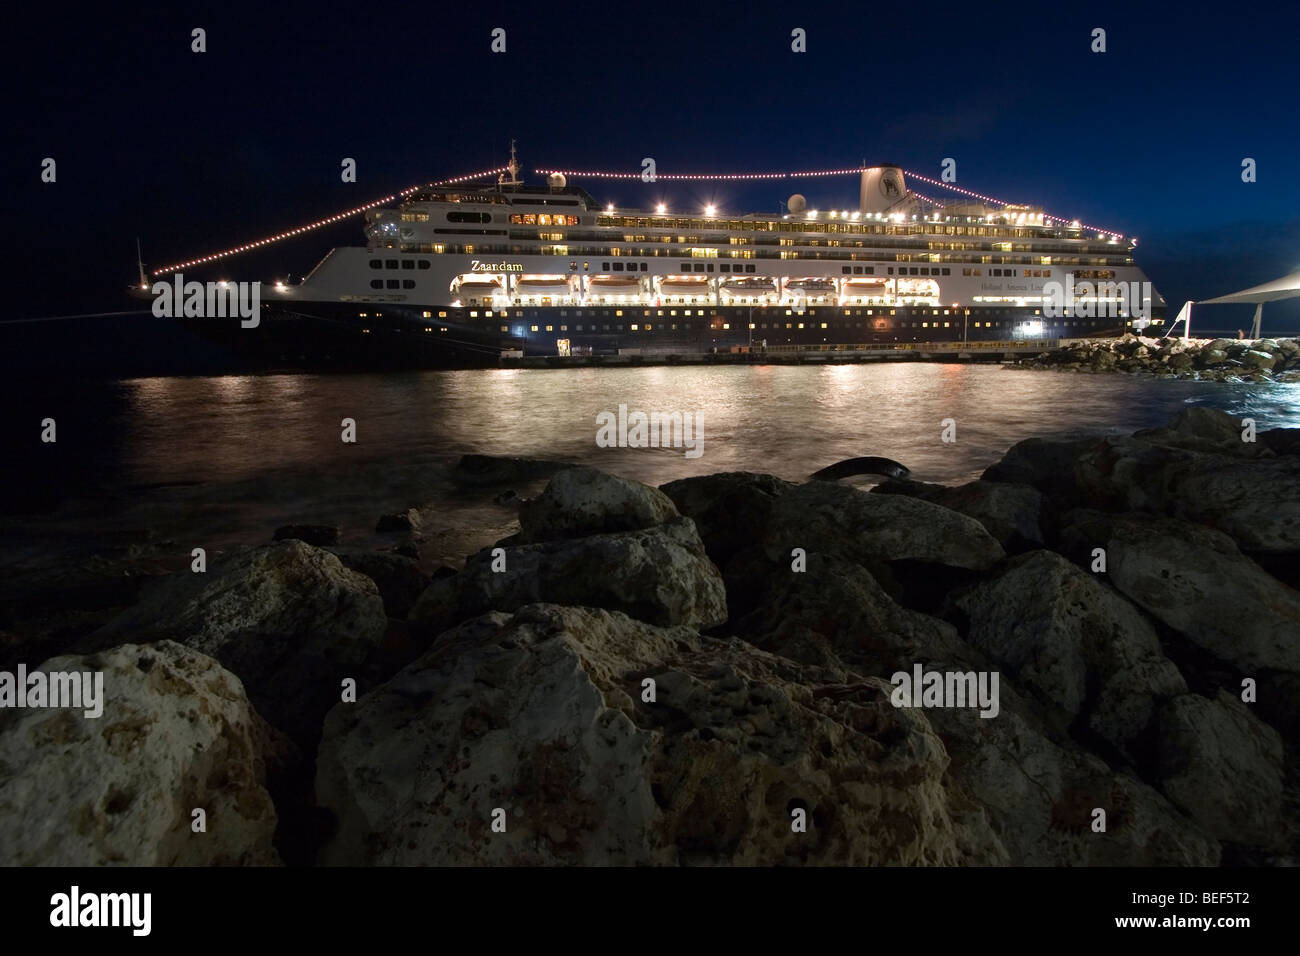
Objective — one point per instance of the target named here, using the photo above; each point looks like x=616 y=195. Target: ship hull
x=334 y=336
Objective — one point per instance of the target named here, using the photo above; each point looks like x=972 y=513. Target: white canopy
x=1286 y=287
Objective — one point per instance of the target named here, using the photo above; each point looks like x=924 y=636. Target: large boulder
x=398 y=577
x=1045 y=463
x=1259 y=360
x=1041 y=796
x=1223 y=766
x=544 y=717
x=1204 y=429
x=289 y=619
x=1252 y=495
x=870 y=529
x=1009 y=511
x=579 y=502
x=176 y=734
x=1076 y=644
x=660 y=575
x=835 y=611
x=730 y=509
x=1037 y=786
x=1196 y=581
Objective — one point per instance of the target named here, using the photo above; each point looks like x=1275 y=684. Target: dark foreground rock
x=289 y=619
x=540 y=719
x=660 y=575
x=705 y=673
x=176 y=734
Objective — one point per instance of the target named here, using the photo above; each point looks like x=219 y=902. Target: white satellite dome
x=797 y=203
x=556 y=180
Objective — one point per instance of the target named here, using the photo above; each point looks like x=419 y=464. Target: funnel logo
x=1100 y=300
x=891 y=184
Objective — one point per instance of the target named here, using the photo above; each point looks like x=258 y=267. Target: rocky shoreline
x=1213 y=360
x=707 y=673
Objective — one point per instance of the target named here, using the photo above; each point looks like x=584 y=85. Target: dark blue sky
x=196 y=152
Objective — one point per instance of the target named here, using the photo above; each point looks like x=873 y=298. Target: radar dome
x=556 y=180
x=797 y=203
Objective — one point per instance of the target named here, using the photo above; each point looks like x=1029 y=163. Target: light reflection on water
x=787 y=420
x=226 y=460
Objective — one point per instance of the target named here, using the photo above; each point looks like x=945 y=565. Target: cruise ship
x=462 y=275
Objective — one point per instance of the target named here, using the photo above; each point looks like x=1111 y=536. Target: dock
x=992 y=352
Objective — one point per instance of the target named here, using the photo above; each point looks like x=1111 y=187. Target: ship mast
x=512 y=167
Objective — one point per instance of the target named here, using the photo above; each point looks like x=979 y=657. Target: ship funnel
x=882 y=188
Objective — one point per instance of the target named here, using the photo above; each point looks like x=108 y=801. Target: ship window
x=390 y=264
x=376 y=283
x=533 y=327
x=424 y=263
x=408 y=283
x=643 y=267
x=443 y=315
x=550 y=328
x=847 y=270
x=710 y=266
x=505 y=328
x=913 y=271
x=724 y=268
x=946 y=271
x=891 y=270
x=604 y=266
x=468 y=217
x=376 y=263
x=564 y=328
x=618 y=267
x=408 y=263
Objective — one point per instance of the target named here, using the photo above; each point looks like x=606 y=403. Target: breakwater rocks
x=1214 y=360
x=1089 y=656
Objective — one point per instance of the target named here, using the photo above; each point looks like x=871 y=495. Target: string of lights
x=328 y=221
x=697 y=177
x=591 y=174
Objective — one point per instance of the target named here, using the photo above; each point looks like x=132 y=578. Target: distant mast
x=139 y=261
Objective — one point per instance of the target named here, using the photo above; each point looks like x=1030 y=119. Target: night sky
x=198 y=152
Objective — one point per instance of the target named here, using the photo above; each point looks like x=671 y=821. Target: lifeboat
x=614 y=285
x=477 y=290
x=547 y=286
x=811 y=288
x=689 y=288
x=923 y=288
x=749 y=286
x=859 y=289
